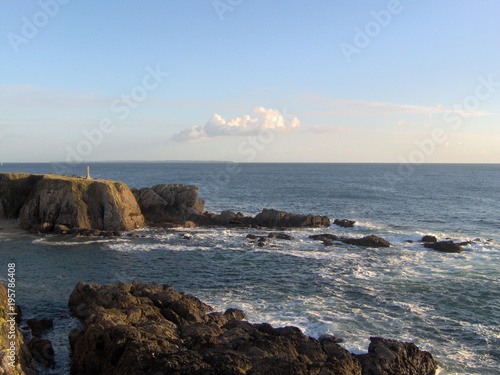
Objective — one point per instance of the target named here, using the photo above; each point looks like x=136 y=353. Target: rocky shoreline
x=80 y=206
x=146 y=328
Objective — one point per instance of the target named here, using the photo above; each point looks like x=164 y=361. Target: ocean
x=447 y=304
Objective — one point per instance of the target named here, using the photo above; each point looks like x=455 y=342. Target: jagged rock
x=39 y=326
x=42 y=351
x=169 y=203
x=368 y=241
x=323 y=237
x=144 y=328
x=281 y=236
x=445 y=246
x=389 y=357
x=280 y=219
x=344 y=223
x=252 y=236
x=20 y=357
x=429 y=238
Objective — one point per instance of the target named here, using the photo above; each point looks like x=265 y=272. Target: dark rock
x=327 y=243
x=39 y=326
x=42 y=351
x=281 y=236
x=344 y=223
x=409 y=241
x=169 y=203
x=465 y=243
x=388 y=357
x=252 y=236
x=144 y=328
x=280 y=219
x=323 y=237
x=369 y=241
x=445 y=246
x=429 y=238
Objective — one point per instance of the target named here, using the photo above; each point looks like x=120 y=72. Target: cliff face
x=43 y=201
x=169 y=203
x=18 y=361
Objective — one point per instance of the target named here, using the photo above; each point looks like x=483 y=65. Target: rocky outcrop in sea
x=47 y=203
x=145 y=328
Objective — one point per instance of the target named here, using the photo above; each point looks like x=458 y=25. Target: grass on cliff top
x=18 y=176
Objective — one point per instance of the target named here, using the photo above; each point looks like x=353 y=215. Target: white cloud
x=217 y=126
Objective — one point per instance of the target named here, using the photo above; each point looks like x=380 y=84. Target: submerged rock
x=368 y=241
x=145 y=328
x=445 y=246
x=323 y=237
x=281 y=236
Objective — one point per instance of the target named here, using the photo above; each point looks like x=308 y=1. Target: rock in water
x=388 y=357
x=344 y=223
x=145 y=328
x=429 y=238
x=280 y=219
x=368 y=241
x=169 y=203
x=445 y=246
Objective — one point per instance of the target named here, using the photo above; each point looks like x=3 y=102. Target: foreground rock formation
x=48 y=203
x=144 y=328
x=15 y=358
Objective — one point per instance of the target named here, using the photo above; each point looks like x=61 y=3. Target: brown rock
x=280 y=219
x=368 y=241
x=144 y=328
x=388 y=357
x=445 y=246
x=344 y=223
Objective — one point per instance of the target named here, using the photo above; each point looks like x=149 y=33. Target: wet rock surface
x=145 y=328
x=445 y=246
x=368 y=241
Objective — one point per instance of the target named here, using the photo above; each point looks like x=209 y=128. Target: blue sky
x=264 y=81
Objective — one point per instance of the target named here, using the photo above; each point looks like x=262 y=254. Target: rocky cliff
x=46 y=202
x=145 y=328
x=15 y=358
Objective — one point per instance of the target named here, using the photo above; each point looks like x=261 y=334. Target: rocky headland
x=145 y=328
x=53 y=203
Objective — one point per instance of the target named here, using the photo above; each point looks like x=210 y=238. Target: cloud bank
x=217 y=126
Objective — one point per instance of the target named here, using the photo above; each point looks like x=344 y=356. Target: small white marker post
x=88 y=173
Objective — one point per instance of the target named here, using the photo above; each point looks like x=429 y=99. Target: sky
x=396 y=81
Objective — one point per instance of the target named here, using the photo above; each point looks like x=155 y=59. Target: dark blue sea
x=448 y=304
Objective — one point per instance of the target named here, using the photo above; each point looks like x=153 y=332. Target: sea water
x=447 y=304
